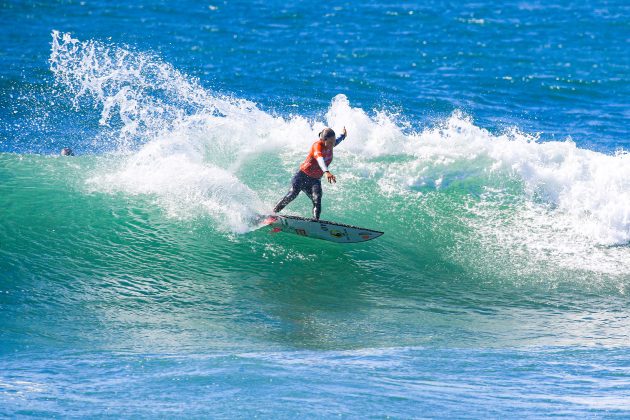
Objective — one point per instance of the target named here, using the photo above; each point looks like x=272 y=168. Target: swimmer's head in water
x=66 y=151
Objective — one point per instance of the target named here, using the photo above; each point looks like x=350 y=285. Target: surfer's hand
x=330 y=177
x=345 y=132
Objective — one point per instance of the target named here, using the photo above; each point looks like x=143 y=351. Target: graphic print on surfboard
x=320 y=229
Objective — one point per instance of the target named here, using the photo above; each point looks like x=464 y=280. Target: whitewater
x=187 y=148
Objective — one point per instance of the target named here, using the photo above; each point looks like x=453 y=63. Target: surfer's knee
x=293 y=192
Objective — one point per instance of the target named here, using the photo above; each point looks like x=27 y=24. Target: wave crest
x=193 y=146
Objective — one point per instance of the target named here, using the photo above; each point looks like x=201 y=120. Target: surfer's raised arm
x=342 y=137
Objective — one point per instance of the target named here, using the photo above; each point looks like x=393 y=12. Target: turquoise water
x=488 y=143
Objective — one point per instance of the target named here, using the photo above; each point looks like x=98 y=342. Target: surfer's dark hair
x=327 y=133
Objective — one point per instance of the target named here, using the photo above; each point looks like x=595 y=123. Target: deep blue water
x=488 y=140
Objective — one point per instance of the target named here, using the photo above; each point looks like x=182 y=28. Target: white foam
x=186 y=145
x=592 y=188
x=184 y=185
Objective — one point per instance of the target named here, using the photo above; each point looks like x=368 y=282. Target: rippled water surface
x=487 y=141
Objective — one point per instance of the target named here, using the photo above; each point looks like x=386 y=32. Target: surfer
x=308 y=177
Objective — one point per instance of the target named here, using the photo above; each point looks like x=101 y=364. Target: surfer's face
x=329 y=141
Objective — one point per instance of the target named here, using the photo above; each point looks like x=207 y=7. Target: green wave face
x=491 y=239
x=92 y=259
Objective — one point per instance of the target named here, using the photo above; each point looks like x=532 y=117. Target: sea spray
x=185 y=130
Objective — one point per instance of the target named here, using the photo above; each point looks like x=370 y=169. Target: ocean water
x=489 y=141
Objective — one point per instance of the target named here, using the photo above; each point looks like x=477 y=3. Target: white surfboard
x=320 y=229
